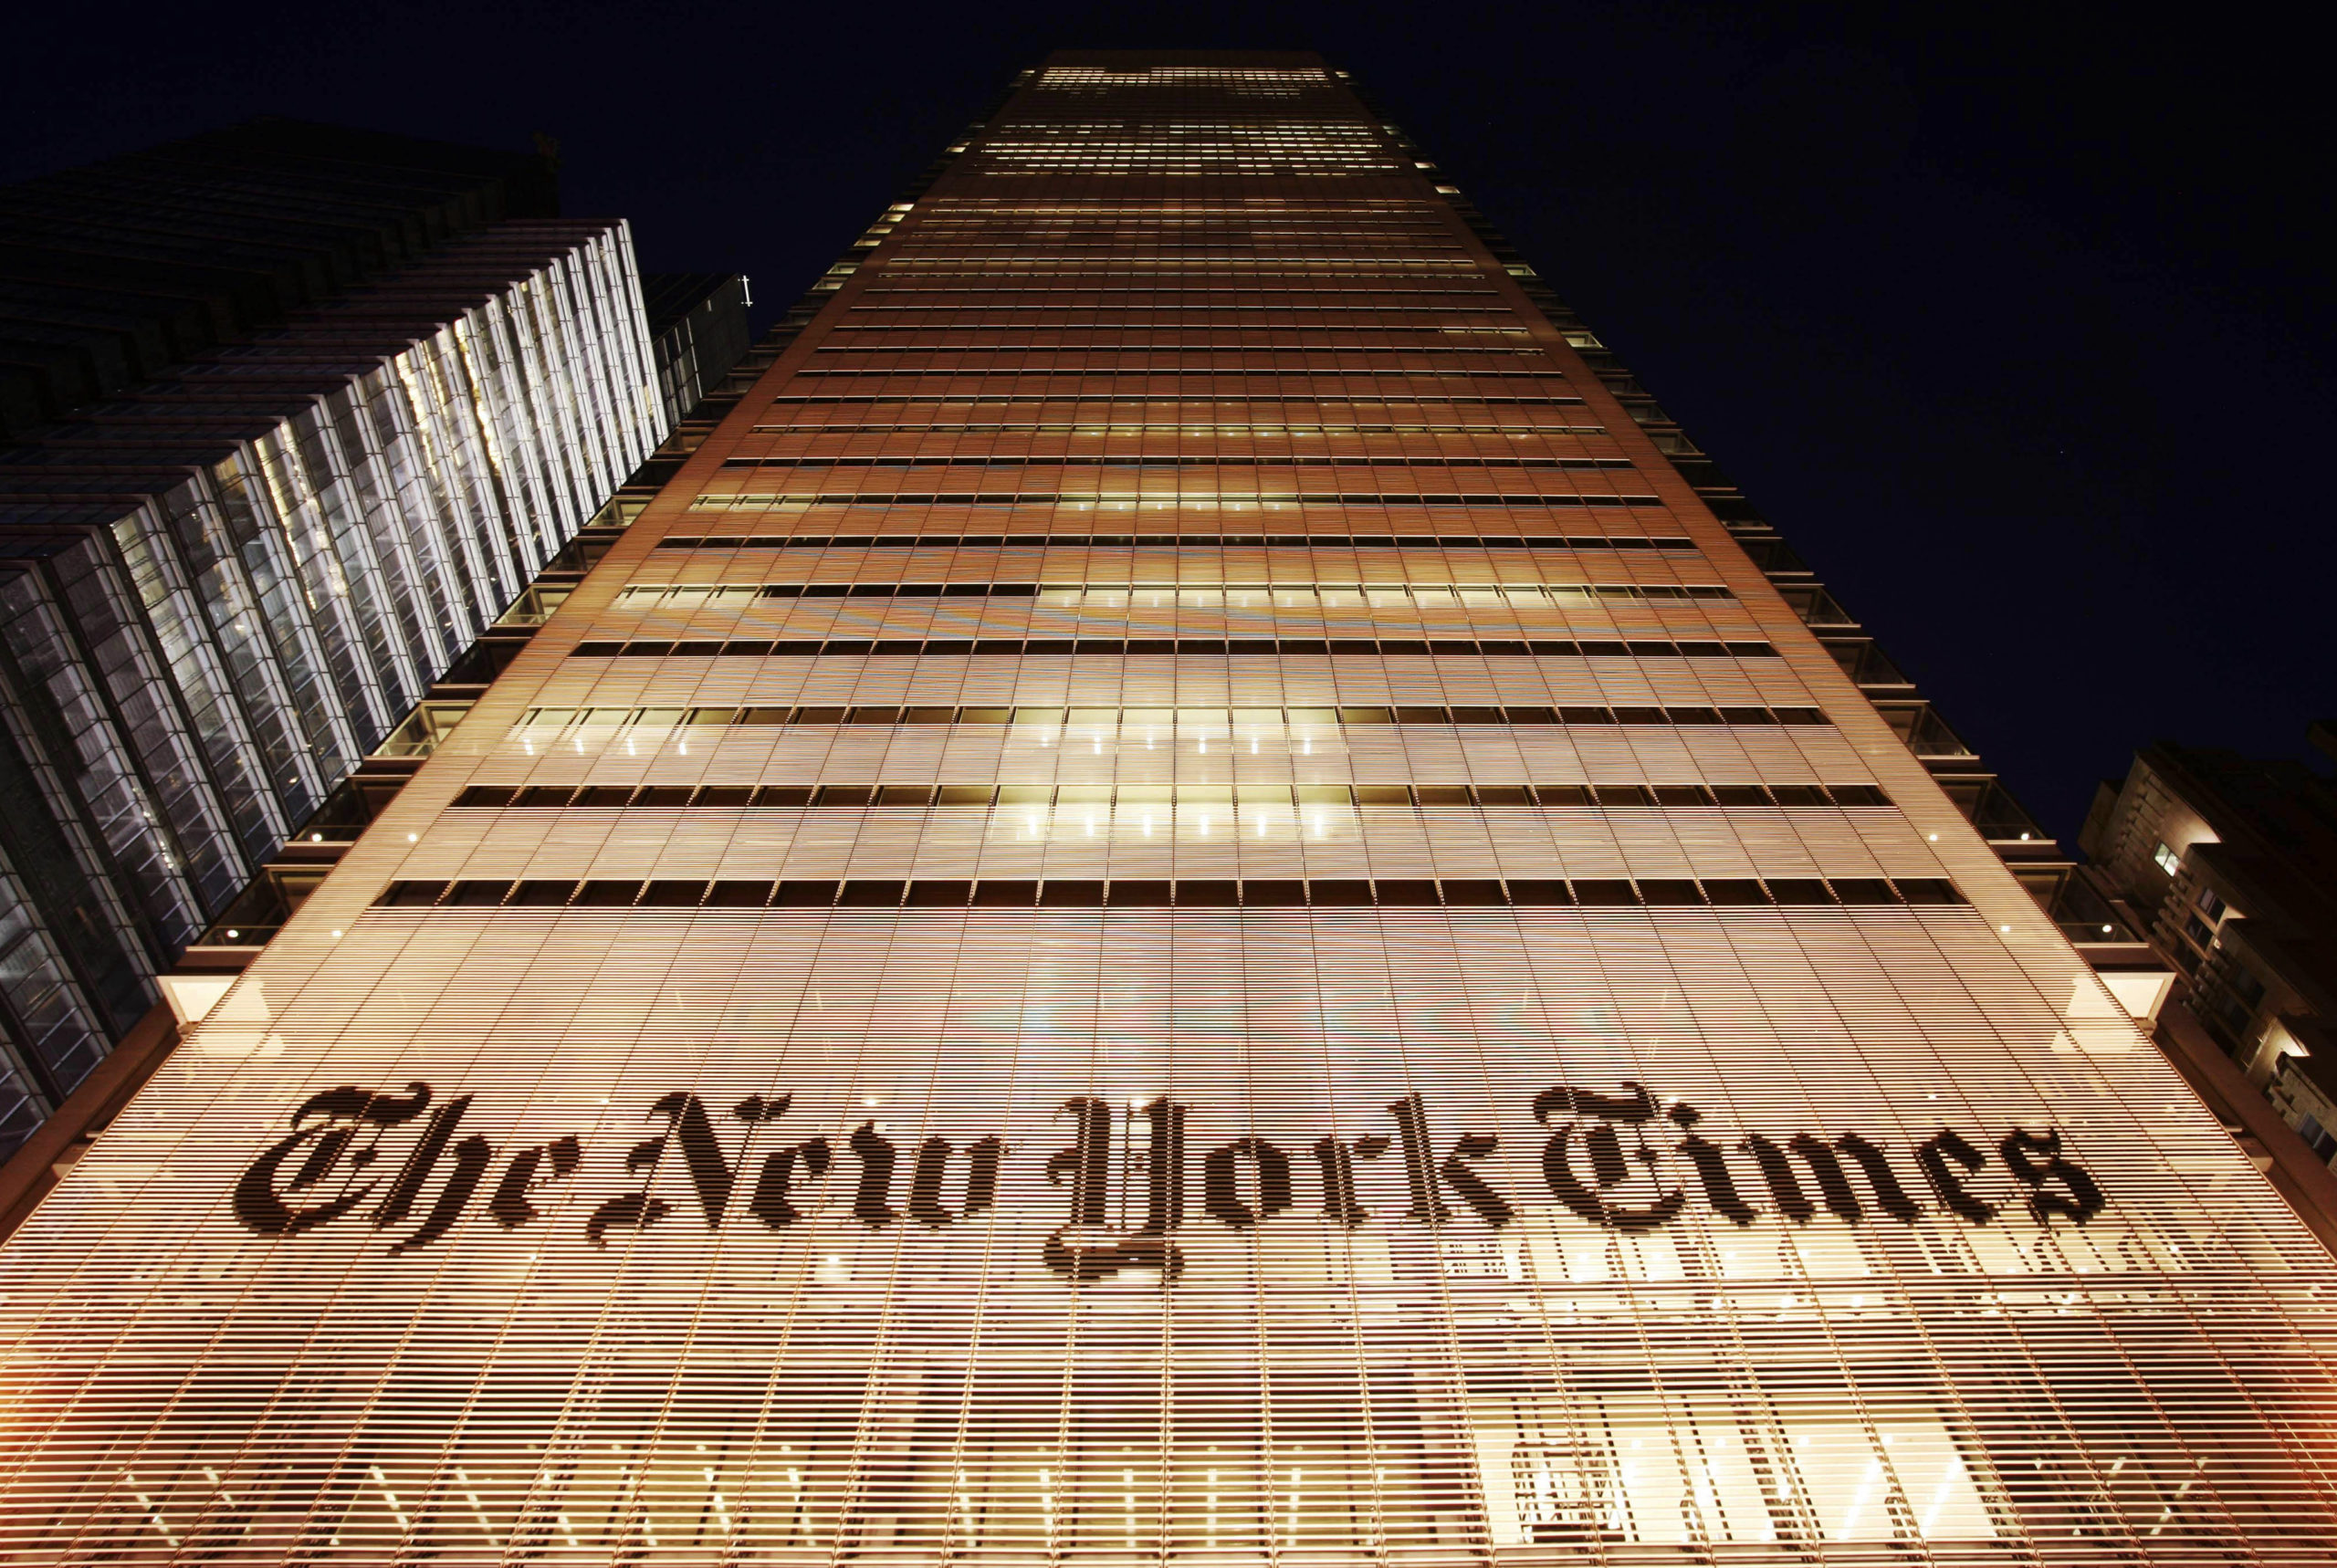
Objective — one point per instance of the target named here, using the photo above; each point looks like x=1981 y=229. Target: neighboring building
x=292 y=868
x=2234 y=859
x=319 y=405
x=1177 y=900
x=114 y=273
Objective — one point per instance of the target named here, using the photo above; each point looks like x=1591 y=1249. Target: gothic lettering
x=2079 y=1202
x=1784 y=1187
x=1221 y=1181
x=1425 y=1175
x=510 y=1205
x=1088 y=1247
x=407 y=1185
x=871 y=1199
x=711 y=1174
x=1337 y=1159
x=772 y=1202
x=932 y=1164
x=1164 y=1168
x=258 y=1204
x=1610 y=1167
x=1834 y=1185
x=1934 y=1154
x=1712 y=1168
x=1605 y=1161
x=471 y=1157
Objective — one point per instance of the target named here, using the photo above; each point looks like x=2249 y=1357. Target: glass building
x=219 y=594
x=1178 y=901
x=293 y=412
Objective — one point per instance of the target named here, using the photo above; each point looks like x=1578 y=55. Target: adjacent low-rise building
x=2232 y=860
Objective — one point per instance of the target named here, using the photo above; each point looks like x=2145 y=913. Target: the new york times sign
x=410 y=1164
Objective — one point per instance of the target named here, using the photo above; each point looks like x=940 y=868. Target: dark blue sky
x=2016 y=323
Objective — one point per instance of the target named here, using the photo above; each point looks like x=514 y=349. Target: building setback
x=1177 y=900
x=697 y=330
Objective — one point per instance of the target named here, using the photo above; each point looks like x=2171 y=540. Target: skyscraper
x=1177 y=900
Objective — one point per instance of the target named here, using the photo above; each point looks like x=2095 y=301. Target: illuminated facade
x=1178 y=901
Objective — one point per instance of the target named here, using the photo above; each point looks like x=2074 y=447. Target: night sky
x=2019 y=325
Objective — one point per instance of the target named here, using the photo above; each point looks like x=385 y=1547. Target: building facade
x=1178 y=901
